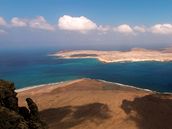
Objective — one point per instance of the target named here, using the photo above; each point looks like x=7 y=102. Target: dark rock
x=14 y=117
x=34 y=118
x=11 y=120
x=24 y=112
x=34 y=113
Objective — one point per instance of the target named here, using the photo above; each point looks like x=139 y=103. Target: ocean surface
x=35 y=67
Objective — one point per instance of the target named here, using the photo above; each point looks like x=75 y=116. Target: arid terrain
x=94 y=104
x=134 y=55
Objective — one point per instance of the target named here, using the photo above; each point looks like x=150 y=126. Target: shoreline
x=39 y=86
x=117 y=61
x=62 y=83
x=128 y=86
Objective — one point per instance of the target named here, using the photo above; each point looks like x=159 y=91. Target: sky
x=85 y=24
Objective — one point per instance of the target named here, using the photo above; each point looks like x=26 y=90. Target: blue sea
x=35 y=67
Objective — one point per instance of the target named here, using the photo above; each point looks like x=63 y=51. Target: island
x=134 y=55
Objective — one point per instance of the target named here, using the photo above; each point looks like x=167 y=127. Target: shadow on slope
x=150 y=111
x=70 y=116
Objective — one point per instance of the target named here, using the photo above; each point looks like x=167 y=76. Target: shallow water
x=29 y=68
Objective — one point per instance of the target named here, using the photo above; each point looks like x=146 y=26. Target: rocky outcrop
x=13 y=116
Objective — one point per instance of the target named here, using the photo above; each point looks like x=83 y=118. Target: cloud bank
x=36 y=23
x=139 y=29
x=17 y=22
x=162 y=29
x=83 y=24
x=41 y=23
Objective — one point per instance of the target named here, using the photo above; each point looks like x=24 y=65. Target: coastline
x=36 y=86
x=128 y=86
x=115 y=61
x=65 y=83
x=41 y=85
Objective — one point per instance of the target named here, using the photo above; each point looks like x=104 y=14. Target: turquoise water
x=30 y=68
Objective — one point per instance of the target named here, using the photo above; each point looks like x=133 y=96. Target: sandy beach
x=134 y=55
x=95 y=104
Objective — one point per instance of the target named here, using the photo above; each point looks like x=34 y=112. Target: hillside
x=93 y=104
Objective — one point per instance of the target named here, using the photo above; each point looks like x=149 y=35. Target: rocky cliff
x=14 y=117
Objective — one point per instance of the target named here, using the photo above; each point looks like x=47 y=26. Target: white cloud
x=2 y=21
x=162 y=29
x=139 y=29
x=76 y=23
x=17 y=22
x=124 y=29
x=41 y=23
